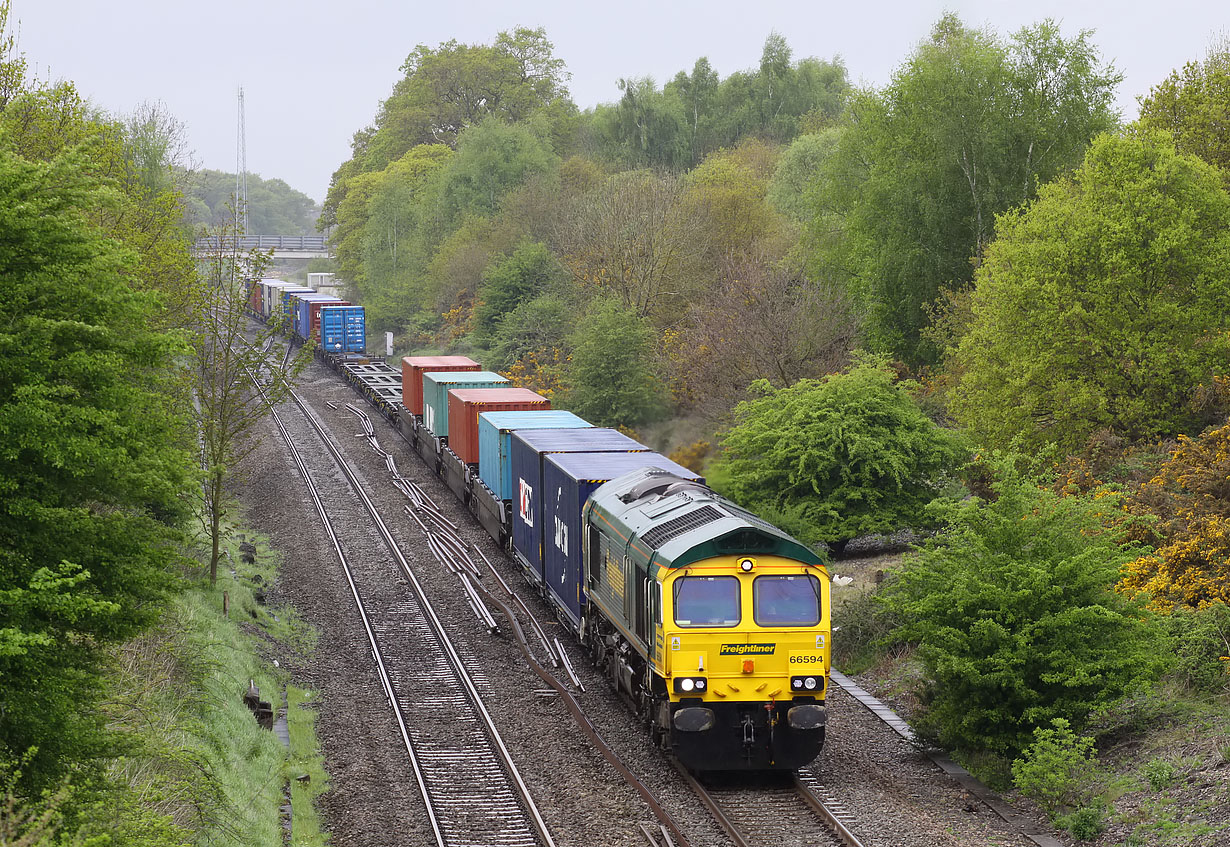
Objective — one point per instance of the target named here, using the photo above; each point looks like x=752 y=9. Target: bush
x=832 y=459
x=1159 y=773
x=862 y=630
x=1200 y=641
x=1086 y=823
x=1056 y=769
x=1015 y=619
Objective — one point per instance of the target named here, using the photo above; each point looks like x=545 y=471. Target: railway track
x=470 y=785
x=773 y=810
x=795 y=812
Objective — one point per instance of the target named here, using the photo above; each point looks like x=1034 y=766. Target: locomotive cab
x=745 y=660
x=713 y=623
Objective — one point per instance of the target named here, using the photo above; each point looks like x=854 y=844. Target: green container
x=437 y=385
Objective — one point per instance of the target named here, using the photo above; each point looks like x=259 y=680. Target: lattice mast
x=241 y=172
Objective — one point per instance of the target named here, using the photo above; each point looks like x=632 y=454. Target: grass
x=199 y=769
x=305 y=760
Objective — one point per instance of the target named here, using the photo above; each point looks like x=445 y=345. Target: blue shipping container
x=436 y=386
x=343 y=329
x=568 y=480
x=288 y=309
x=495 y=431
x=528 y=449
x=303 y=311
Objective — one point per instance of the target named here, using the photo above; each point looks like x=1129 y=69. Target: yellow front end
x=745 y=651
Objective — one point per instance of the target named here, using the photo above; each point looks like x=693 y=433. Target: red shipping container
x=413 y=368
x=254 y=295
x=465 y=405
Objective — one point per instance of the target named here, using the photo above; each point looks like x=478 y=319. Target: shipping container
x=495 y=431
x=529 y=449
x=437 y=384
x=466 y=404
x=307 y=313
x=271 y=294
x=284 y=309
x=568 y=480
x=343 y=329
x=256 y=290
x=413 y=368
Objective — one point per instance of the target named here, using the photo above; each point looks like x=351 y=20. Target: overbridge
x=283 y=246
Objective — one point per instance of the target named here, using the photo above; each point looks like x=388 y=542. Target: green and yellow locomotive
x=712 y=622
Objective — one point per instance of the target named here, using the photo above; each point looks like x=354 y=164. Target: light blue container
x=495 y=431
x=436 y=386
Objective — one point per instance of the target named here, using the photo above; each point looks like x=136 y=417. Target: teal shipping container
x=495 y=431
x=437 y=384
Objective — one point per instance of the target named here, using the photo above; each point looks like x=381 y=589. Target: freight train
x=712 y=623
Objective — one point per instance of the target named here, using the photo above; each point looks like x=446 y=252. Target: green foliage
x=455 y=86
x=1192 y=105
x=531 y=270
x=968 y=128
x=492 y=159
x=1016 y=620
x=835 y=458
x=385 y=236
x=90 y=464
x=696 y=114
x=1085 y=823
x=1101 y=305
x=274 y=208
x=1159 y=773
x=791 y=189
x=612 y=373
x=1200 y=641
x=866 y=627
x=1056 y=769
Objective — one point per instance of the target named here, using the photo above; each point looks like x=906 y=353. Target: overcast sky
x=315 y=71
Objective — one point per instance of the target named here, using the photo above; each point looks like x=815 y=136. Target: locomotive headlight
x=690 y=685
x=809 y=683
x=746 y=565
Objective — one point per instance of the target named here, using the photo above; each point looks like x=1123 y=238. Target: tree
x=455 y=86
x=1101 y=305
x=274 y=208
x=758 y=322
x=393 y=255
x=1194 y=106
x=835 y=458
x=531 y=270
x=795 y=174
x=635 y=239
x=967 y=129
x=92 y=460
x=611 y=374
x=727 y=194
x=1015 y=617
x=227 y=358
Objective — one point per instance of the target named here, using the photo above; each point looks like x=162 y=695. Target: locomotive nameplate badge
x=747 y=649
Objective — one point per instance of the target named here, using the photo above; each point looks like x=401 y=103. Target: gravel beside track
x=895 y=793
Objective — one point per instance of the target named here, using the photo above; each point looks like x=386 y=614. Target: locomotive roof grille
x=675 y=527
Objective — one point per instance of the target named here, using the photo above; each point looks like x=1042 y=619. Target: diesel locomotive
x=713 y=624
